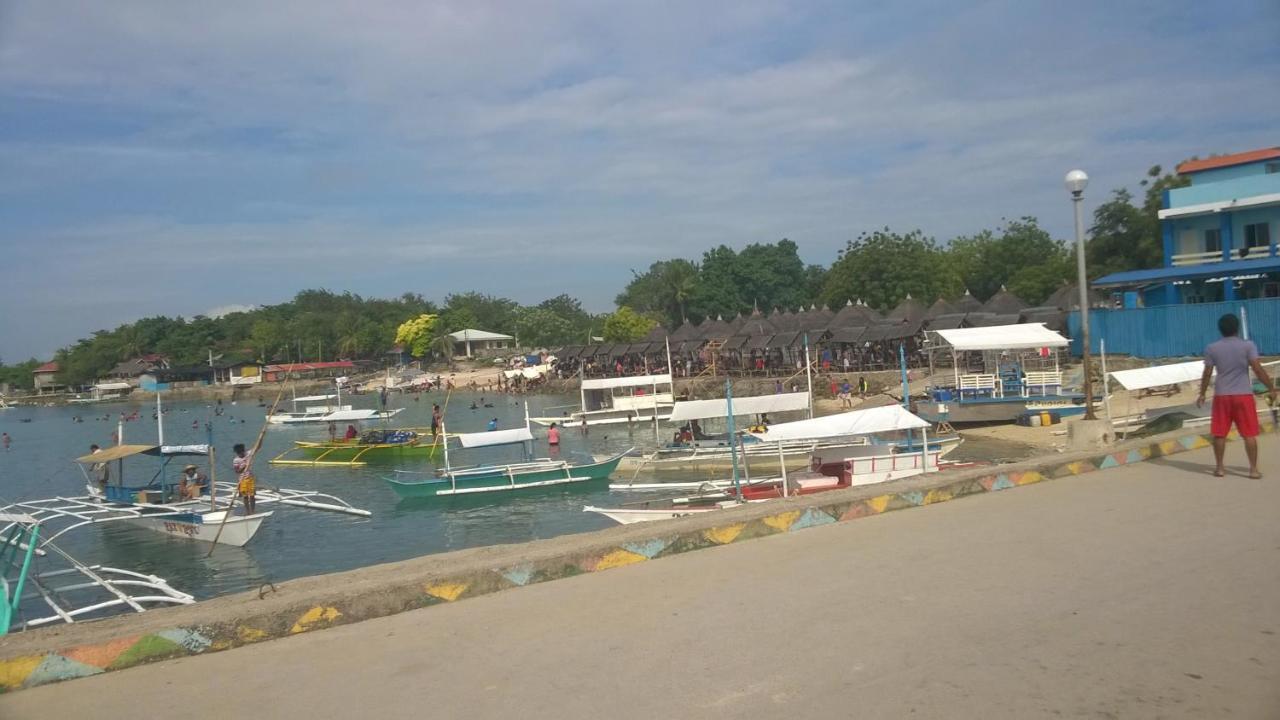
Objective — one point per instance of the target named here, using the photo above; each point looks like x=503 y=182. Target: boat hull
x=624 y=516
x=382 y=452
x=236 y=532
x=479 y=481
x=996 y=410
x=764 y=458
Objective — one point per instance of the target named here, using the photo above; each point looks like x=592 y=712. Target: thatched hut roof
x=686 y=331
x=1067 y=297
x=939 y=308
x=909 y=309
x=854 y=315
x=967 y=303
x=1004 y=303
x=756 y=324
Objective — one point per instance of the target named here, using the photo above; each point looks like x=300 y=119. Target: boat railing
x=890 y=463
x=980 y=385
x=1047 y=383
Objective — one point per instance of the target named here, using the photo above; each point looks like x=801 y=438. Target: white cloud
x=221 y=310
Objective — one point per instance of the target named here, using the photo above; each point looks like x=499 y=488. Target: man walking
x=1233 y=402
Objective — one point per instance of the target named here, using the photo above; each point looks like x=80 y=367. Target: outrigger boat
x=371 y=446
x=74 y=593
x=329 y=412
x=1006 y=388
x=156 y=506
x=533 y=473
x=824 y=475
x=644 y=400
x=713 y=452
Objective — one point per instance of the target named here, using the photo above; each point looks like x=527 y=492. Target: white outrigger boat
x=74 y=593
x=647 y=399
x=701 y=452
x=334 y=412
x=825 y=475
x=157 y=507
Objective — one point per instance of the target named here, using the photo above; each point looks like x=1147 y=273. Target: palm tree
x=443 y=344
x=679 y=279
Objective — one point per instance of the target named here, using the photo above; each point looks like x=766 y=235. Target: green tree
x=626 y=325
x=883 y=267
x=415 y=334
x=540 y=327
x=666 y=288
x=1019 y=253
x=1127 y=237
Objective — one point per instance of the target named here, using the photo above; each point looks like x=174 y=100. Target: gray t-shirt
x=1231 y=356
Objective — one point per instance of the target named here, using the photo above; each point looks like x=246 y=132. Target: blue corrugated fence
x=1168 y=331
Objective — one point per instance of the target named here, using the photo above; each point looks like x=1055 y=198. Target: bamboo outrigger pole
x=253 y=455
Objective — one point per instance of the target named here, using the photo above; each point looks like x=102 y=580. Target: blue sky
x=170 y=158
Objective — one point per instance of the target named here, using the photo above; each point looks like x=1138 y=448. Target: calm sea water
x=297 y=542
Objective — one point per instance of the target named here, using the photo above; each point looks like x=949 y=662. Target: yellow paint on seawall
x=313 y=617
x=619 y=558
x=724 y=534
x=447 y=591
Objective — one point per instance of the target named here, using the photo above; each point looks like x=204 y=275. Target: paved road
x=1150 y=591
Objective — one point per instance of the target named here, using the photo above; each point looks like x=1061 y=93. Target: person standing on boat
x=435 y=420
x=246 y=484
x=101 y=471
x=351 y=433
x=553 y=435
x=1233 y=401
x=333 y=431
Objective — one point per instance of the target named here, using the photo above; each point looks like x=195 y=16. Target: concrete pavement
x=1151 y=590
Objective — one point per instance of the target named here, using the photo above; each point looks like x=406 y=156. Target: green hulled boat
x=538 y=473
x=373 y=446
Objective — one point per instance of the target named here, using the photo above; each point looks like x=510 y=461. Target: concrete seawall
x=307 y=604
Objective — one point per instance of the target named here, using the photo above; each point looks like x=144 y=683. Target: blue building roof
x=1234 y=268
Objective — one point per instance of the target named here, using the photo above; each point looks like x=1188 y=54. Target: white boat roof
x=621 y=382
x=749 y=405
x=1159 y=375
x=314 y=398
x=1022 y=336
x=349 y=415
x=495 y=437
x=113 y=386
x=857 y=422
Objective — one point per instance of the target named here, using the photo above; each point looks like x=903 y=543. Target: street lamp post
x=1076 y=181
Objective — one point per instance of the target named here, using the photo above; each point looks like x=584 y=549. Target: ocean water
x=297 y=542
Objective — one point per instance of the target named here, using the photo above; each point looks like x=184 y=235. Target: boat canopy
x=113 y=386
x=622 y=382
x=315 y=398
x=751 y=405
x=1003 y=337
x=857 y=422
x=118 y=452
x=495 y=437
x=1159 y=375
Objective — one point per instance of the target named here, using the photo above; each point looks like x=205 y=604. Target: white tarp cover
x=184 y=450
x=530 y=373
x=1003 y=337
x=495 y=437
x=623 y=382
x=857 y=422
x=750 y=405
x=315 y=398
x=1159 y=375
x=113 y=386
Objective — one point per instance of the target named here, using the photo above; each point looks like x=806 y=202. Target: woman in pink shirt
x=553 y=435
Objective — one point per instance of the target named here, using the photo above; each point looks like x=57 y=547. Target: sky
x=161 y=158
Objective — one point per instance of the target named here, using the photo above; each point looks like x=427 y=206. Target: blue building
x=1221 y=236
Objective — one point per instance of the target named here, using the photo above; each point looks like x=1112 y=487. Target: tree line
x=881 y=268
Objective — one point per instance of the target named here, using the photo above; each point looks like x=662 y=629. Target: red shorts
x=1238 y=409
